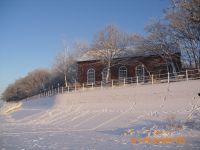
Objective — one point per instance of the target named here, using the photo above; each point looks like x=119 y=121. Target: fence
x=193 y=74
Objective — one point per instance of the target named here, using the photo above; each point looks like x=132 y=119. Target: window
x=122 y=72
x=90 y=76
x=104 y=74
x=139 y=70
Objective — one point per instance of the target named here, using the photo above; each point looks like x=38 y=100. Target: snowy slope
x=105 y=119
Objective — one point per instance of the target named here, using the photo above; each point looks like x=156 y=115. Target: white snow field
x=107 y=119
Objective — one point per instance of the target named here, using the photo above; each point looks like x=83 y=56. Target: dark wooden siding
x=153 y=65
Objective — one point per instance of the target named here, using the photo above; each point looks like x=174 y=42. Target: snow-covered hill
x=107 y=118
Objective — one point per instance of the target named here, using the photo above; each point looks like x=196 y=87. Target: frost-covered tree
x=65 y=65
x=109 y=44
x=159 y=41
x=184 y=20
x=27 y=86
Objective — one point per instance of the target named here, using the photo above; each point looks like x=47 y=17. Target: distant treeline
x=32 y=84
x=36 y=82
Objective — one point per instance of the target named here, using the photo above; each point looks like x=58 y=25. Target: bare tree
x=63 y=63
x=184 y=20
x=79 y=48
x=109 y=44
x=159 y=41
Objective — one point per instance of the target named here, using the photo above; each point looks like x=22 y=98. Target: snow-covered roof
x=129 y=52
x=87 y=57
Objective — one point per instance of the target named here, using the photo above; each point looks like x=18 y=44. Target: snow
x=105 y=118
x=7 y=107
x=128 y=52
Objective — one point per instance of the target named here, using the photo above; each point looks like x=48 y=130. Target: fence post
x=168 y=77
x=47 y=92
x=92 y=85
x=58 y=88
x=101 y=85
x=62 y=89
x=186 y=74
x=75 y=86
x=137 y=80
x=112 y=83
x=124 y=82
x=83 y=87
x=152 y=79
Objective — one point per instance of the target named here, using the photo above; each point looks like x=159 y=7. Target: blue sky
x=31 y=31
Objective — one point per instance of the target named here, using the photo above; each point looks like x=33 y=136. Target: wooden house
x=137 y=63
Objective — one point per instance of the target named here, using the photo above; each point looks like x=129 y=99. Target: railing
x=192 y=74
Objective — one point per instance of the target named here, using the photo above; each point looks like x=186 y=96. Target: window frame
x=91 y=72
x=122 y=71
x=104 y=74
x=142 y=75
